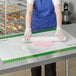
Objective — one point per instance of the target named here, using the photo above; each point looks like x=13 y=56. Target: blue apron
x=43 y=15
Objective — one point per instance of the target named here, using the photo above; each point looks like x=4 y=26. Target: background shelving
x=12 y=17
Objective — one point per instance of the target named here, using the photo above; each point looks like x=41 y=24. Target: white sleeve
x=55 y=2
x=30 y=1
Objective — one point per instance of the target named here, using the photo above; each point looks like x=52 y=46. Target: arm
x=58 y=16
x=28 y=15
x=29 y=10
x=59 y=31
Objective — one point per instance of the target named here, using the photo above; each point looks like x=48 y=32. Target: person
x=42 y=14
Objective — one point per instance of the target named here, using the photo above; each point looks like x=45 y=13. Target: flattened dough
x=42 y=43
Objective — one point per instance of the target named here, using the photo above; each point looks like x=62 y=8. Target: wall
x=72 y=6
x=73 y=2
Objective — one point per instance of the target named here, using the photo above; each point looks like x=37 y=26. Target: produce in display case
x=12 y=17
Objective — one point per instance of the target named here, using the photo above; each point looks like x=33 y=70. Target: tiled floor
x=60 y=69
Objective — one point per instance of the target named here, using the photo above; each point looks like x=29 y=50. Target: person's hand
x=27 y=34
x=59 y=33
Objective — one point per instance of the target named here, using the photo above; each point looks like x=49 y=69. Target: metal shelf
x=9 y=7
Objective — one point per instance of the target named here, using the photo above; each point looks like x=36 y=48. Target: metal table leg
x=67 y=67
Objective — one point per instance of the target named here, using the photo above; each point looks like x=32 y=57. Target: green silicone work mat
x=13 y=49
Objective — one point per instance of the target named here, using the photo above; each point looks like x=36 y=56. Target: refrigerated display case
x=12 y=17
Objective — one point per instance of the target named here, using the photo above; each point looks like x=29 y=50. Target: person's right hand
x=27 y=34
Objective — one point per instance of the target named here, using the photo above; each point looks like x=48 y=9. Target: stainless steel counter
x=29 y=63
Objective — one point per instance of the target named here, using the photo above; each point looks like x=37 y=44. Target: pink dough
x=42 y=43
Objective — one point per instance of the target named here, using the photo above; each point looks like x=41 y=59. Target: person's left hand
x=59 y=33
